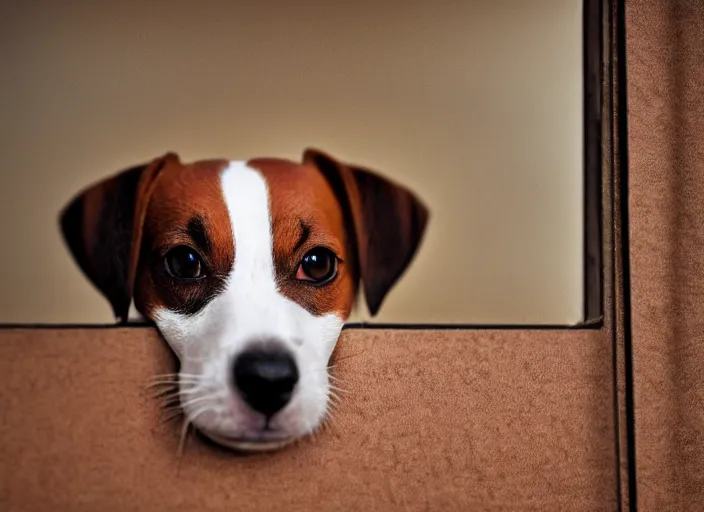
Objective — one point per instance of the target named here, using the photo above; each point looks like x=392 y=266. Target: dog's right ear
x=102 y=227
x=387 y=219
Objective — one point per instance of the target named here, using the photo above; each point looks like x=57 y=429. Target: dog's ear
x=102 y=227
x=387 y=222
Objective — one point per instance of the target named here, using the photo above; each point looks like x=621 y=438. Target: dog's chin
x=261 y=443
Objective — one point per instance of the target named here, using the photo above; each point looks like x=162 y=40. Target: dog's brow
x=305 y=233
x=197 y=231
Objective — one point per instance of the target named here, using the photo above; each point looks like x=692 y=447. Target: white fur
x=250 y=309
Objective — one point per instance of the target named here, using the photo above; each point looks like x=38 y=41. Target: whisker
x=337 y=359
x=174 y=378
x=172 y=408
x=330 y=376
x=173 y=401
x=332 y=408
x=156 y=382
x=168 y=393
x=172 y=374
x=162 y=392
x=328 y=422
x=187 y=422
x=177 y=400
x=173 y=416
x=197 y=399
x=177 y=374
x=153 y=385
x=325 y=424
x=171 y=383
x=174 y=390
x=330 y=419
x=182 y=437
x=170 y=401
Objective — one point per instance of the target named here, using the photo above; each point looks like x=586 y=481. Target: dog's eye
x=184 y=263
x=319 y=266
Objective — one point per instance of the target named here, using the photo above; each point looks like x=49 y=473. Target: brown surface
x=666 y=108
x=449 y=420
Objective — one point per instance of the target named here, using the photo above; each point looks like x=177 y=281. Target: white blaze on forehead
x=260 y=309
x=247 y=200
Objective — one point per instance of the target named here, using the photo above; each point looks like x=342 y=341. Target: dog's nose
x=265 y=379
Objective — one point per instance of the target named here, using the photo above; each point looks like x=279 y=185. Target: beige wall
x=476 y=104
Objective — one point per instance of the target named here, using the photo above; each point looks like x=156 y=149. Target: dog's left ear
x=387 y=220
x=102 y=227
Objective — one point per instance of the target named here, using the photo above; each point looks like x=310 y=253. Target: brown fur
x=165 y=228
x=299 y=193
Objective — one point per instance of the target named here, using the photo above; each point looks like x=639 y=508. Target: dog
x=249 y=270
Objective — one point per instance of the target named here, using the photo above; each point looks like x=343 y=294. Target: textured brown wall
x=666 y=116
x=443 y=421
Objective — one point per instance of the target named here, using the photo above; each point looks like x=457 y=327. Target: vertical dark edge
x=616 y=289
x=619 y=269
x=621 y=128
x=593 y=43
x=610 y=234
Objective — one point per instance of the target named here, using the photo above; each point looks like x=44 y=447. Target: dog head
x=249 y=271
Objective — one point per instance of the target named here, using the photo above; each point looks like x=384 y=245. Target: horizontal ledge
x=583 y=326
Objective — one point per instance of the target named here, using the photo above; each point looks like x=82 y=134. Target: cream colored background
x=477 y=105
